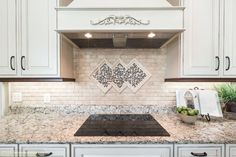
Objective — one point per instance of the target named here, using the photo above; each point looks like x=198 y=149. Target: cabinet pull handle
x=22 y=59
x=43 y=154
x=11 y=63
x=218 y=63
x=199 y=154
x=229 y=62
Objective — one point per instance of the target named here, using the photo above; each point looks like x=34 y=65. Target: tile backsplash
x=86 y=92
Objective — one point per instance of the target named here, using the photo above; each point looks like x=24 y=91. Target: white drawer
x=122 y=150
x=231 y=150
x=207 y=150
x=8 y=150
x=42 y=150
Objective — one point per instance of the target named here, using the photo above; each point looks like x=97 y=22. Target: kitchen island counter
x=47 y=128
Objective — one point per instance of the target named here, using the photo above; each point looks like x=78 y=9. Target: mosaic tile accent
x=103 y=76
x=136 y=75
x=120 y=76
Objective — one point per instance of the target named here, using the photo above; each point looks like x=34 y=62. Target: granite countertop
x=60 y=128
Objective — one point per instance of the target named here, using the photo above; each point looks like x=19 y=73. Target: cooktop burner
x=121 y=125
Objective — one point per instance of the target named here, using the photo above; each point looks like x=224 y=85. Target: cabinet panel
x=122 y=151
x=230 y=38
x=9 y=150
x=189 y=150
x=39 y=38
x=29 y=150
x=231 y=150
x=7 y=37
x=201 y=38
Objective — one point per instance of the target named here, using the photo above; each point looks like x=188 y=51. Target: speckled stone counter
x=60 y=128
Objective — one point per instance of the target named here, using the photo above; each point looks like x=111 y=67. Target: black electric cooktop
x=121 y=125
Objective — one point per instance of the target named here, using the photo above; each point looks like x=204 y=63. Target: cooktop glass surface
x=121 y=125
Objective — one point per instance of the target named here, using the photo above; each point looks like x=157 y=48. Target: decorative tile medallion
x=103 y=76
x=119 y=76
x=136 y=75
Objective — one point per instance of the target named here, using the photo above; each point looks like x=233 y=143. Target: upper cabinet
x=38 y=38
x=230 y=38
x=8 y=37
x=207 y=48
x=201 y=38
x=29 y=45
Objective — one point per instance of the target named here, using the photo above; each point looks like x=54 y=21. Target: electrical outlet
x=17 y=97
x=47 y=98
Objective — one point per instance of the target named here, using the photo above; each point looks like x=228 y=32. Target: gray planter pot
x=230 y=107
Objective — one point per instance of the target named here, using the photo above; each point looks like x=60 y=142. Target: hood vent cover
x=120 y=23
x=119 y=40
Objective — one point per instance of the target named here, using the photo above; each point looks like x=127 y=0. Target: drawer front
x=199 y=150
x=8 y=150
x=30 y=150
x=121 y=151
x=231 y=150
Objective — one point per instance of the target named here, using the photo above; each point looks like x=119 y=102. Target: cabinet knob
x=43 y=154
x=199 y=154
x=11 y=63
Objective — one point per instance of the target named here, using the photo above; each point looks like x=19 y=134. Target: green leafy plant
x=226 y=92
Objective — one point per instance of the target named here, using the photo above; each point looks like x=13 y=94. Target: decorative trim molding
x=37 y=79
x=120 y=20
x=200 y=79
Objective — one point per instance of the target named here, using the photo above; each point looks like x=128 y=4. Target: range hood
x=120 y=23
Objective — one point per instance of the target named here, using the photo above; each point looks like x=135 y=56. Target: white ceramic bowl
x=188 y=119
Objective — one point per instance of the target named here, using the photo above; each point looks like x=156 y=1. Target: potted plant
x=227 y=94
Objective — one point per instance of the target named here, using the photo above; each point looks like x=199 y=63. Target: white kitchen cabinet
x=207 y=48
x=8 y=150
x=8 y=37
x=230 y=38
x=207 y=150
x=230 y=150
x=29 y=45
x=42 y=150
x=201 y=54
x=39 y=50
x=122 y=151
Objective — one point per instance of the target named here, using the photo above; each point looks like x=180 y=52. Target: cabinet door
x=122 y=151
x=189 y=150
x=39 y=52
x=9 y=150
x=230 y=150
x=7 y=37
x=41 y=150
x=230 y=38
x=201 y=38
